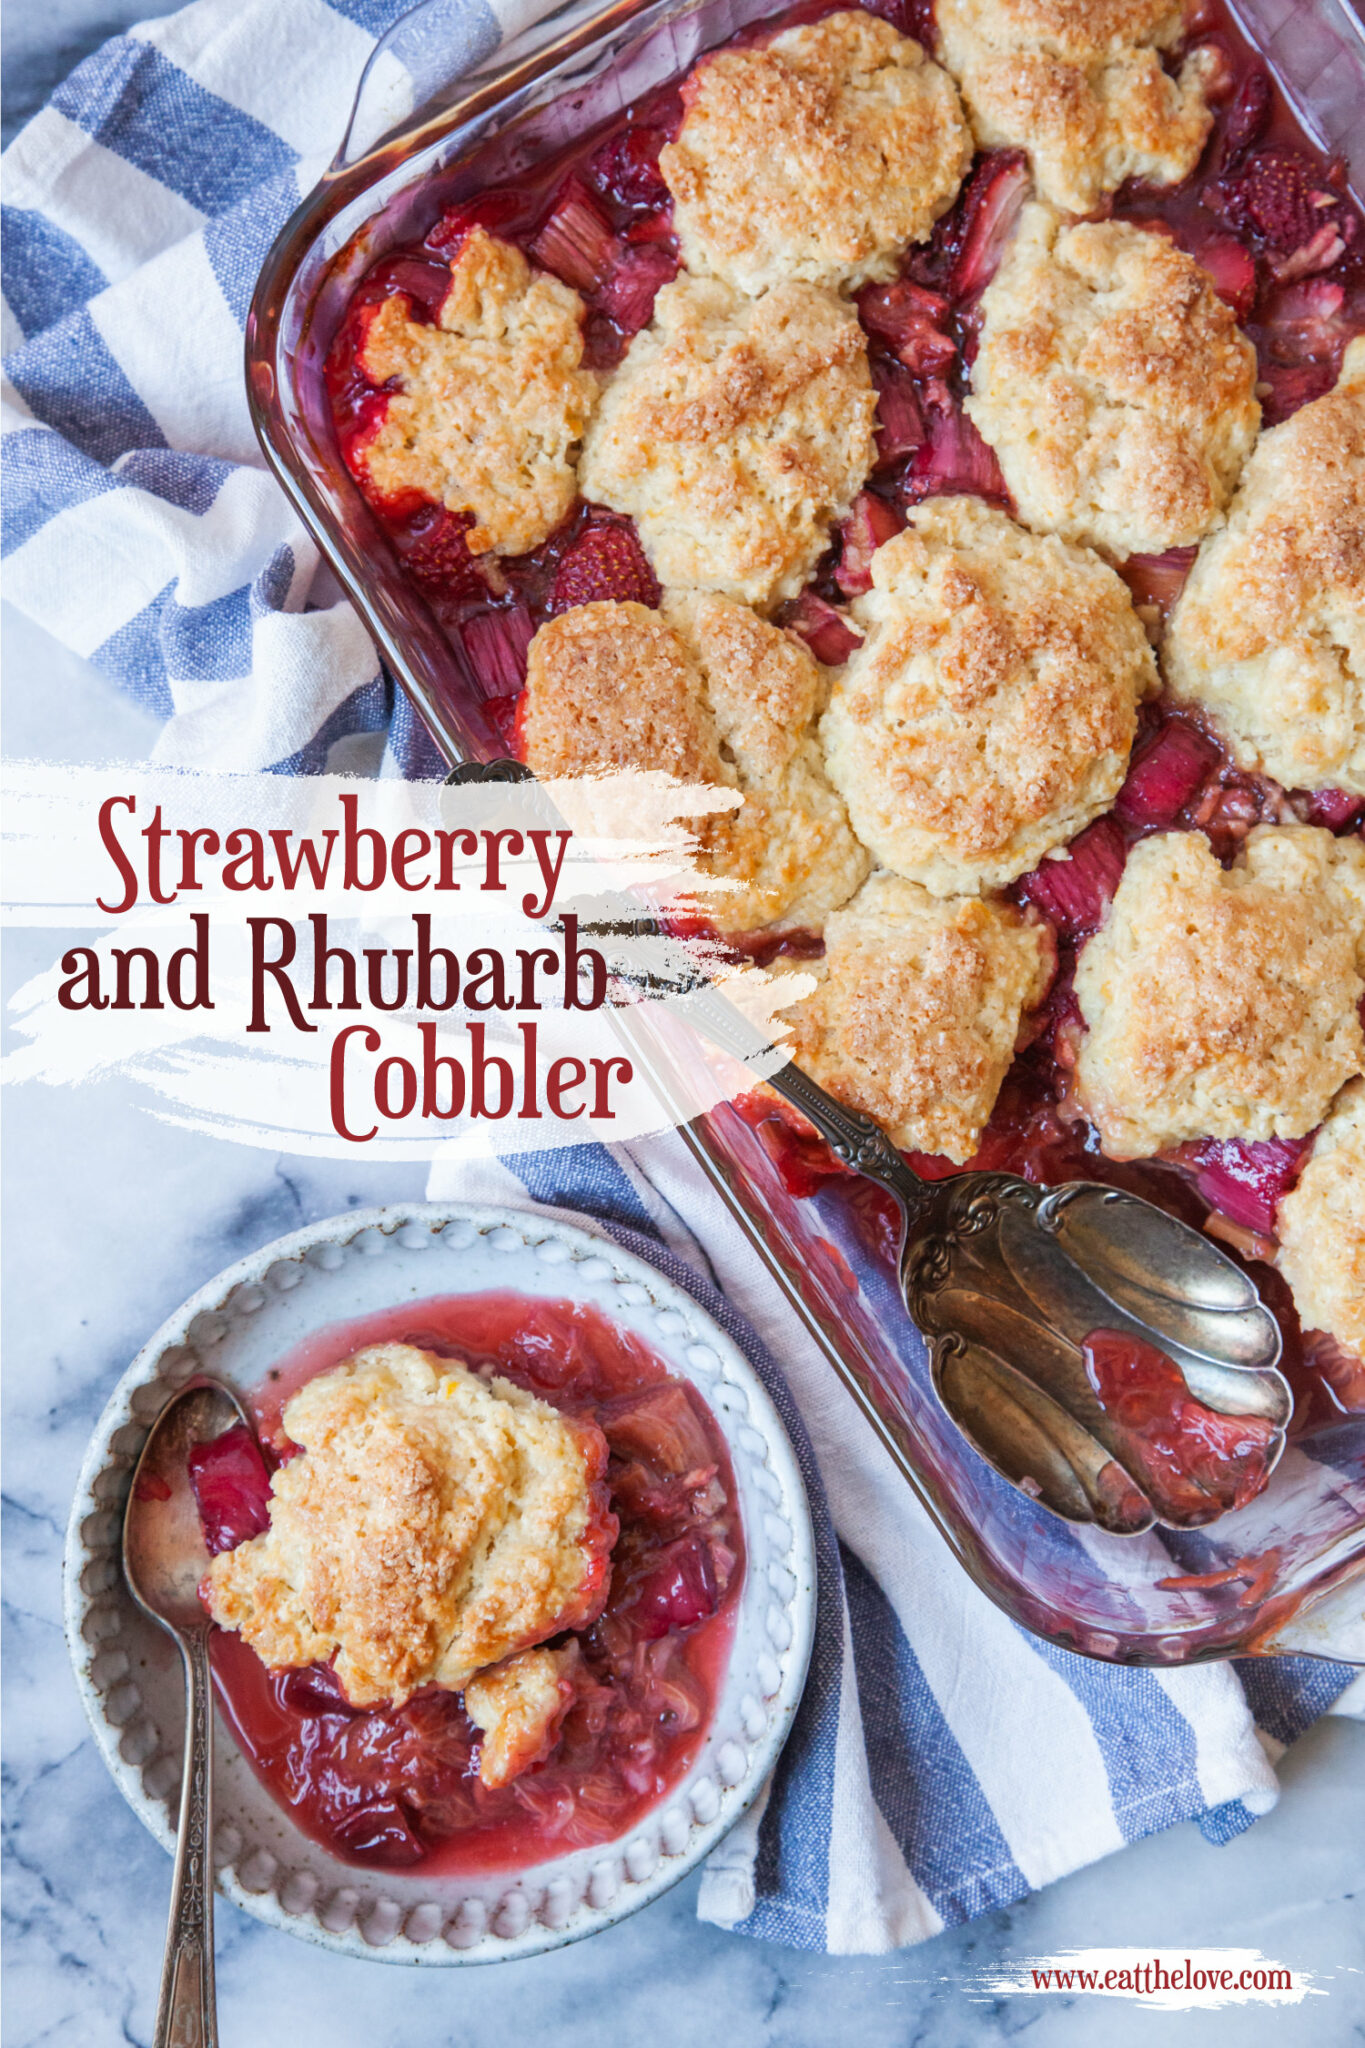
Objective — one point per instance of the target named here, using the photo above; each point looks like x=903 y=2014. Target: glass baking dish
x=1285 y=1574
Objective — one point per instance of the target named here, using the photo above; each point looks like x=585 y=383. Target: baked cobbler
x=490 y=400
x=1224 y=1002
x=474 y=1575
x=989 y=712
x=817 y=155
x=1321 y=1227
x=1269 y=632
x=735 y=433
x=433 y=1524
x=918 y=1010
x=1114 y=385
x=709 y=692
x=858 y=392
x=1082 y=85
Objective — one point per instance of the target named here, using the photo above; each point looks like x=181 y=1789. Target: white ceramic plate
x=129 y=1672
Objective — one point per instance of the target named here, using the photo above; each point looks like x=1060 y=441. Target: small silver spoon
x=1008 y=1281
x=164 y=1559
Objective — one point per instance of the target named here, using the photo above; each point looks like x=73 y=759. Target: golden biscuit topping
x=433 y=1523
x=1080 y=85
x=1321 y=1227
x=520 y=1705
x=817 y=155
x=491 y=402
x=917 y=1011
x=1269 y=631
x=989 y=713
x=1224 y=1003
x=710 y=693
x=1113 y=384
x=735 y=433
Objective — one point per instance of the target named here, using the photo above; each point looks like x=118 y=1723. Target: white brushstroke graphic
x=1168 y=1981
x=491 y=877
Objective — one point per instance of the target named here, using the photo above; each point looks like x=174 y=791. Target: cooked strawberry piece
x=231 y=1488
x=437 y=555
x=1233 y=271
x=626 y=168
x=1245 y=1181
x=907 y=319
x=679 y=1592
x=871 y=522
x=1248 y=116
x=953 y=458
x=1074 y=894
x=495 y=211
x=1280 y=197
x=423 y=281
x=605 y=563
x=827 y=633
x=900 y=423
x=496 y=643
x=379 y=1832
x=1337 y=809
x=576 y=241
x=628 y=291
x=1165 y=775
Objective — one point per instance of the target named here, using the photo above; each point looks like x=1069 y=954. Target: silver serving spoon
x=164 y=1559
x=1007 y=1281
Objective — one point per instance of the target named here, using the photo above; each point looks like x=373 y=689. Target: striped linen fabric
x=944 y=1762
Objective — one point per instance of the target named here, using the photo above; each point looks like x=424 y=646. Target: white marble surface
x=110 y=1219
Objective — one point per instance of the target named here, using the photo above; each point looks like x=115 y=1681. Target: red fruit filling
x=626 y=168
x=605 y=562
x=1193 y=1463
x=1074 y=894
x=1233 y=270
x=908 y=319
x=576 y=242
x=827 y=633
x=1157 y=580
x=399 y=1786
x=1337 y=809
x=496 y=643
x=1245 y=1182
x=871 y=523
x=900 y=421
x=952 y=458
x=231 y=1488
x=1281 y=199
x=1164 y=776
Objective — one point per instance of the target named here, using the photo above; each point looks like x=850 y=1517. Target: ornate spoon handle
x=186 y=2015
x=858 y=1140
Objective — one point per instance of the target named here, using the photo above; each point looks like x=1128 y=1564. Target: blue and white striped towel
x=944 y=1762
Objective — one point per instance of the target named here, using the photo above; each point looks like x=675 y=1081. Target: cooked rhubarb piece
x=1165 y=775
x=1074 y=893
x=576 y=242
x=908 y=320
x=900 y=422
x=497 y=643
x=871 y=522
x=827 y=632
x=1245 y=1182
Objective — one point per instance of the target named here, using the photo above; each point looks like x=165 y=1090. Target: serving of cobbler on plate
x=474 y=1577
x=946 y=426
